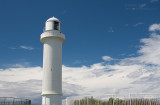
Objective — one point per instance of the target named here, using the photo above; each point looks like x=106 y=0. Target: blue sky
x=92 y=29
x=101 y=35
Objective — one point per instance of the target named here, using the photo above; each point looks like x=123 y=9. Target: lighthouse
x=52 y=39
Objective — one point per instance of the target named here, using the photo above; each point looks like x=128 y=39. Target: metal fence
x=129 y=99
x=14 y=101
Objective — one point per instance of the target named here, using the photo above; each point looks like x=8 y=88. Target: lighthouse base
x=51 y=99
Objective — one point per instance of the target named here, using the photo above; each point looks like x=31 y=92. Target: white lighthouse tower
x=52 y=38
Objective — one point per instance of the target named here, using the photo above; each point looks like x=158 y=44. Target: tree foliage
x=115 y=101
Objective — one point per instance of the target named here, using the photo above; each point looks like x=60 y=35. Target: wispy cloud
x=13 y=48
x=142 y=5
x=80 y=61
x=152 y=1
x=126 y=25
x=21 y=47
x=26 y=47
x=137 y=24
x=107 y=58
x=17 y=65
x=110 y=29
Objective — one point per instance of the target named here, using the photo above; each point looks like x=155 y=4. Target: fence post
x=113 y=99
x=13 y=101
x=4 y=100
x=66 y=101
x=130 y=98
x=98 y=100
x=150 y=100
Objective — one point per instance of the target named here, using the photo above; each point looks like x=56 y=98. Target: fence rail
x=14 y=101
x=129 y=99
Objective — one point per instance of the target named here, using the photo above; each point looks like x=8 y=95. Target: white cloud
x=154 y=27
x=26 y=47
x=130 y=75
x=150 y=50
x=107 y=58
x=21 y=82
x=99 y=78
x=96 y=79
x=20 y=74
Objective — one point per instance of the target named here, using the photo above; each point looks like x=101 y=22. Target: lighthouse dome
x=52 y=24
x=53 y=19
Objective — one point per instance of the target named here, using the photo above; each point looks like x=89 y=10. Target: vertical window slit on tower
x=56 y=25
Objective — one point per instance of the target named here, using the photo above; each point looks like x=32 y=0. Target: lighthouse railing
x=14 y=101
